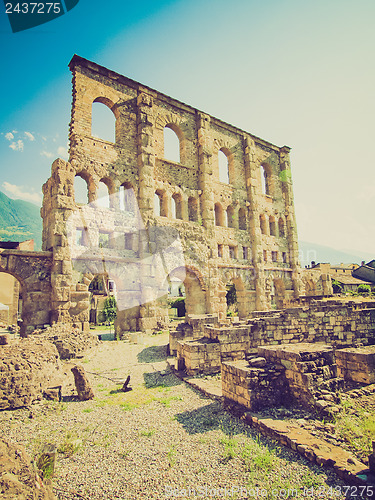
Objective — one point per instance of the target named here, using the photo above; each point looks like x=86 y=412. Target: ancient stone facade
x=208 y=221
x=231 y=230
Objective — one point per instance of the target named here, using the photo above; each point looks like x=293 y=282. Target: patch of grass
x=70 y=445
x=167 y=401
x=230 y=445
x=356 y=426
x=147 y=433
x=171 y=456
x=88 y=410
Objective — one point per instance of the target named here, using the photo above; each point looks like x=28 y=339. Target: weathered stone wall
x=254 y=388
x=255 y=249
x=338 y=323
x=357 y=365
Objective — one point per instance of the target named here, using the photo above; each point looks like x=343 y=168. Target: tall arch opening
x=265 y=178
x=219 y=215
x=189 y=282
x=127 y=199
x=103 y=120
x=172 y=143
x=223 y=167
x=161 y=203
x=103 y=194
x=263 y=224
x=177 y=206
x=81 y=189
x=272 y=226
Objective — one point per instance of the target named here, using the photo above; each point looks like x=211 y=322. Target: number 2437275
x=32 y=8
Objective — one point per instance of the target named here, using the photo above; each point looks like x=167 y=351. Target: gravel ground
x=158 y=439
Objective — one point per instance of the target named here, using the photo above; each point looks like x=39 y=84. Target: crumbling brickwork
x=233 y=231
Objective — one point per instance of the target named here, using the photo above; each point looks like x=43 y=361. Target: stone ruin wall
x=335 y=323
x=263 y=224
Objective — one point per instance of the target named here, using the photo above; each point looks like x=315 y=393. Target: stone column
x=205 y=170
x=251 y=171
x=291 y=227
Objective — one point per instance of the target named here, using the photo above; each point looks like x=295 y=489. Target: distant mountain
x=312 y=252
x=20 y=221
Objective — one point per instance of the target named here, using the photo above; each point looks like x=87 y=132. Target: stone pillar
x=205 y=171
x=149 y=311
x=251 y=167
x=291 y=227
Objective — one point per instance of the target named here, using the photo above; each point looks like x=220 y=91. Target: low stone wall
x=309 y=368
x=193 y=328
x=281 y=374
x=341 y=324
x=198 y=356
x=27 y=368
x=254 y=387
x=357 y=365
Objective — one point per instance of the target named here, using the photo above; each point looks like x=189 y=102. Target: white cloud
x=63 y=152
x=47 y=154
x=17 y=146
x=18 y=193
x=30 y=136
x=9 y=136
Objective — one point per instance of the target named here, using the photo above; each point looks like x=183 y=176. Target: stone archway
x=33 y=272
x=195 y=290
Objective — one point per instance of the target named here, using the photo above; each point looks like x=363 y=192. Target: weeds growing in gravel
x=230 y=445
x=70 y=445
x=171 y=456
x=356 y=426
x=147 y=433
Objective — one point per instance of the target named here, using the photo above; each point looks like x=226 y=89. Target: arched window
x=193 y=209
x=171 y=144
x=157 y=204
x=81 y=195
x=161 y=203
x=103 y=195
x=177 y=206
x=272 y=226
x=242 y=219
x=103 y=120
x=223 y=167
x=263 y=224
x=281 y=228
x=219 y=215
x=265 y=180
x=230 y=216
x=127 y=197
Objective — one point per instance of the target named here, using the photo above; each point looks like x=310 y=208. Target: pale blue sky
x=294 y=72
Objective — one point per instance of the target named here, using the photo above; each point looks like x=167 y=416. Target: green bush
x=364 y=289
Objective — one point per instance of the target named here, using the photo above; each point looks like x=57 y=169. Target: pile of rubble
x=69 y=341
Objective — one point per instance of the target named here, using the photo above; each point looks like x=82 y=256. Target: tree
x=110 y=309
